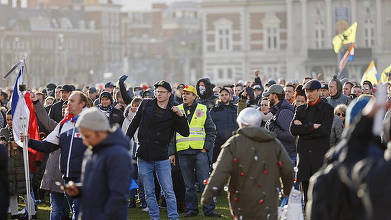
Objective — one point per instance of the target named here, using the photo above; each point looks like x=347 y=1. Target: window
x=369 y=33
x=223 y=38
x=272 y=38
x=271 y=31
x=319 y=34
x=224 y=74
x=221 y=73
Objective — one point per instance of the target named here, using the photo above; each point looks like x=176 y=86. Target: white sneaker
x=145 y=209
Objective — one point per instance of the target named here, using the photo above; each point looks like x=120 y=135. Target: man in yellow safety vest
x=193 y=150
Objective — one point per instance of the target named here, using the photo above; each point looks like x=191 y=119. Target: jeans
x=162 y=168
x=200 y=163
x=73 y=203
x=56 y=205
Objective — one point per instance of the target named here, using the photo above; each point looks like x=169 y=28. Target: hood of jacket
x=339 y=88
x=208 y=86
x=115 y=138
x=257 y=134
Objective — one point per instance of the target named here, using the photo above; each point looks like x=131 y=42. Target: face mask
x=202 y=90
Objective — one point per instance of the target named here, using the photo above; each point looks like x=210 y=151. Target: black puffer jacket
x=208 y=99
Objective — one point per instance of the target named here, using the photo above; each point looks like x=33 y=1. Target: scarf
x=106 y=110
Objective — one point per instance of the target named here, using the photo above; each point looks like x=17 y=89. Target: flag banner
x=12 y=69
x=349 y=55
x=347 y=37
x=371 y=74
x=385 y=74
x=22 y=109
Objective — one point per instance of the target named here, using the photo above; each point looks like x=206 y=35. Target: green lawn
x=137 y=214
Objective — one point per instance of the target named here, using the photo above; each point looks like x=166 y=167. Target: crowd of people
x=177 y=140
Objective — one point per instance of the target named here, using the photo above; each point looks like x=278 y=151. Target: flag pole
x=26 y=156
x=26 y=167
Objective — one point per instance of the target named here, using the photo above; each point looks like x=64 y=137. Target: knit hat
x=93 y=119
x=106 y=94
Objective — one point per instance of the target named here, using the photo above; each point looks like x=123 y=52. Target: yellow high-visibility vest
x=197 y=135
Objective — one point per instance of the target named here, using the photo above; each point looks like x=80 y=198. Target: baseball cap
x=93 y=119
x=324 y=86
x=109 y=85
x=257 y=87
x=92 y=90
x=51 y=86
x=313 y=84
x=274 y=89
x=270 y=82
x=163 y=84
x=68 y=88
x=191 y=89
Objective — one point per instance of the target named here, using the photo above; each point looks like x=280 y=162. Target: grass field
x=137 y=214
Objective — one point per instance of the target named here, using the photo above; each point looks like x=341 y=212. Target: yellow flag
x=384 y=74
x=371 y=74
x=347 y=37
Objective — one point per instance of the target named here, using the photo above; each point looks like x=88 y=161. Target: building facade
x=291 y=38
x=165 y=42
x=59 y=46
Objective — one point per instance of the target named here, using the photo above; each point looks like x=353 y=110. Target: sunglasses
x=339 y=114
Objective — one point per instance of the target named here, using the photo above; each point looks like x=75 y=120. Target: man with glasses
x=157 y=121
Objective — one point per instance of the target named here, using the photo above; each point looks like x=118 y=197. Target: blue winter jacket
x=279 y=124
x=68 y=138
x=224 y=117
x=106 y=174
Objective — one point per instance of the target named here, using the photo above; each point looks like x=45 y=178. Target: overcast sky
x=133 y=5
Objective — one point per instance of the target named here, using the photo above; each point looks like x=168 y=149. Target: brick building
x=290 y=38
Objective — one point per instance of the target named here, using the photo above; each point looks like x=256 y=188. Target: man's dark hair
x=357 y=86
x=290 y=85
x=4 y=94
x=9 y=112
x=224 y=89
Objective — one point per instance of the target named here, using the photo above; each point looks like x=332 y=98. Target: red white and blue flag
x=23 y=113
x=349 y=56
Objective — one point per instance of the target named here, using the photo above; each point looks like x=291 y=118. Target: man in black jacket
x=282 y=116
x=224 y=116
x=55 y=111
x=4 y=188
x=312 y=123
x=157 y=121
